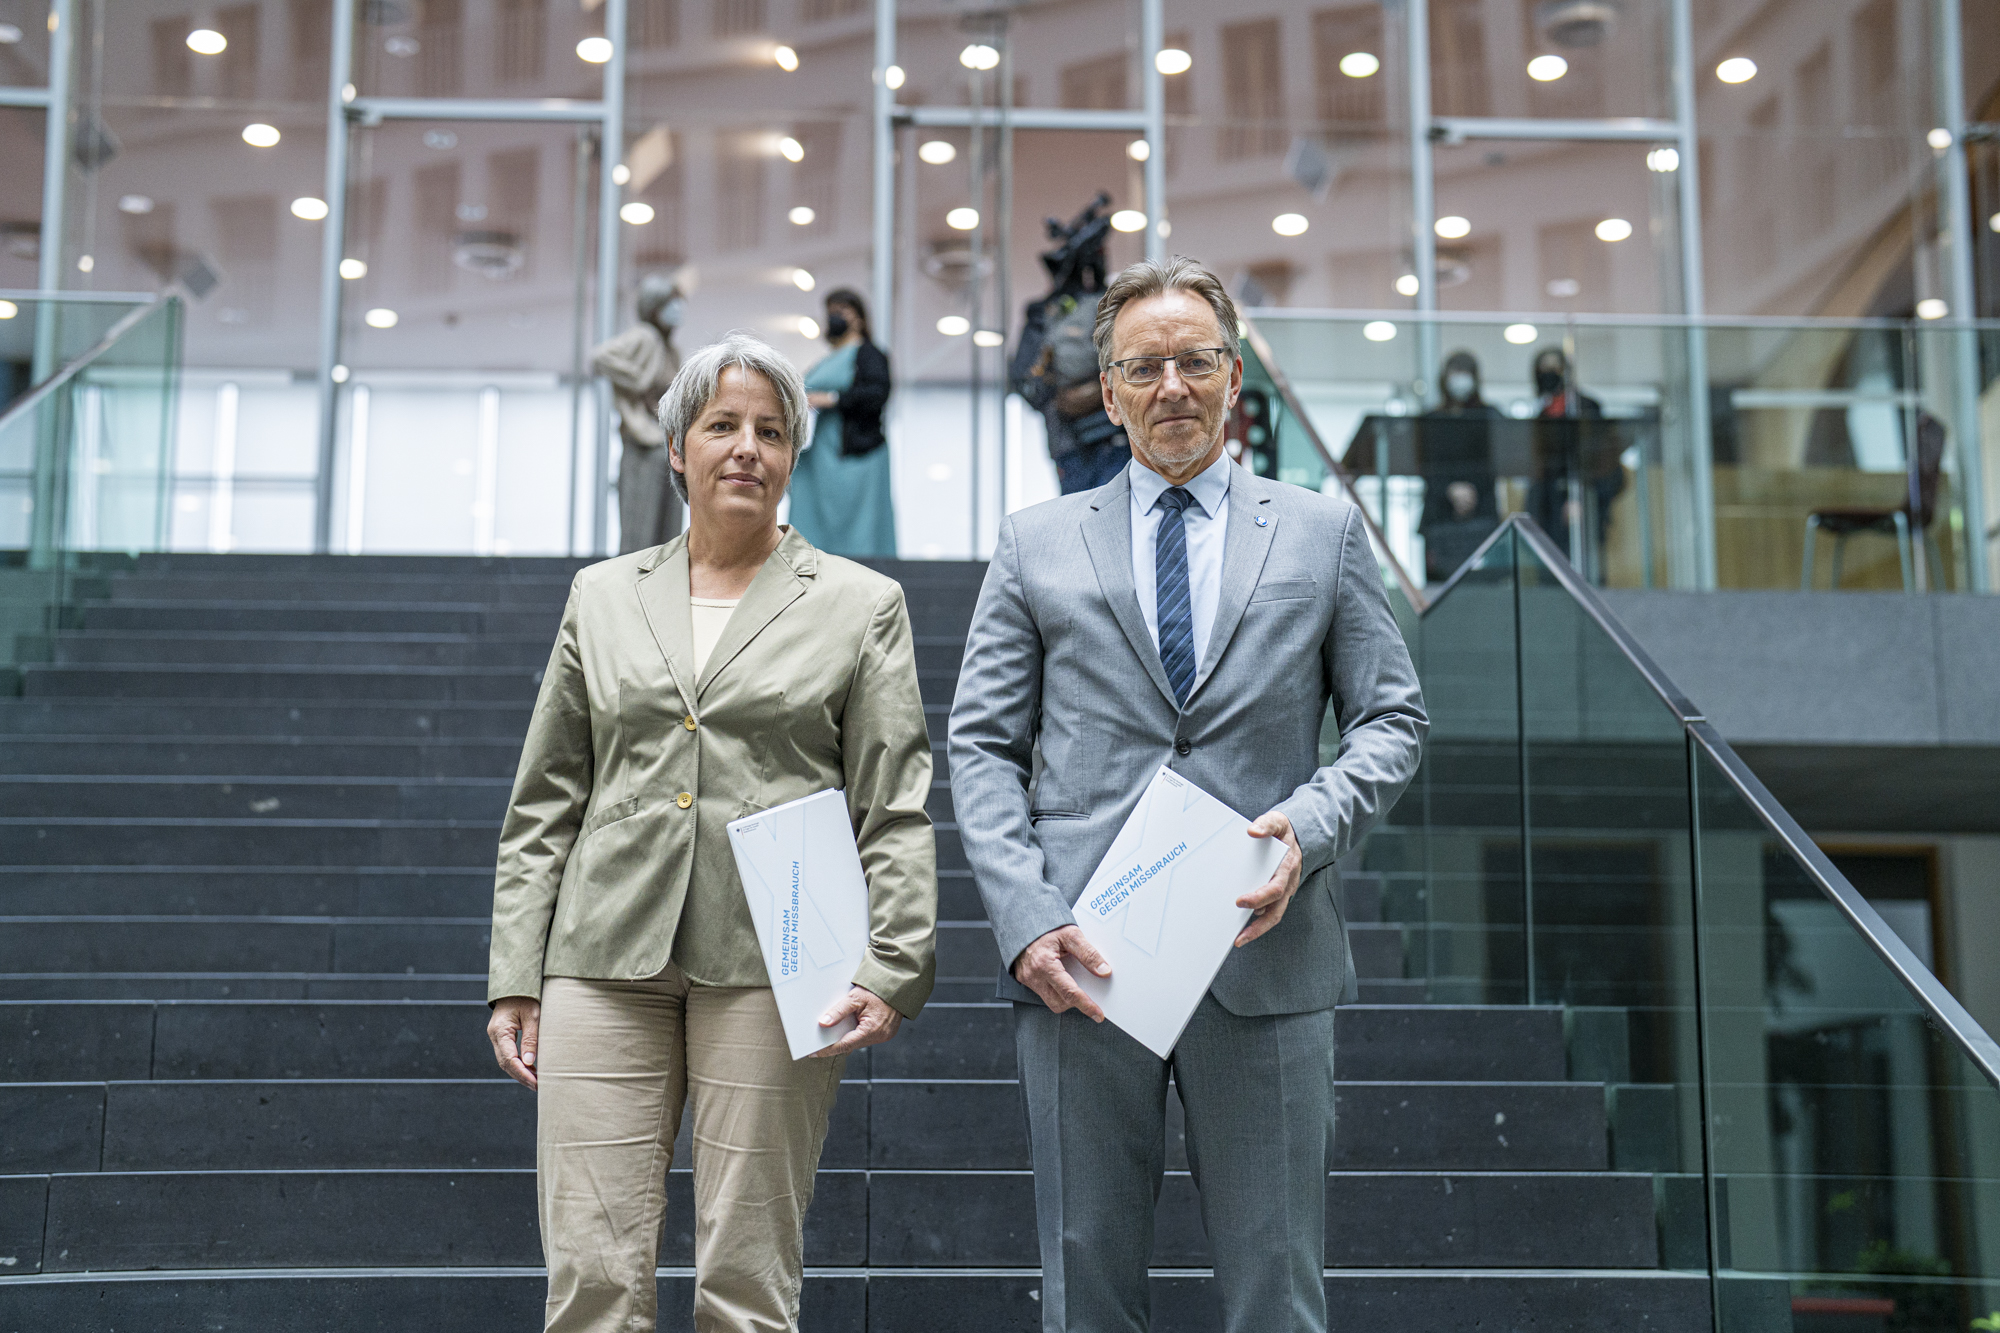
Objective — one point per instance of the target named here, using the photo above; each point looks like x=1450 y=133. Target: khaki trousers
x=616 y=1062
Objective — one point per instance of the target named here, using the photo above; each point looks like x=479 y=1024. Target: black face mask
x=1549 y=382
x=836 y=327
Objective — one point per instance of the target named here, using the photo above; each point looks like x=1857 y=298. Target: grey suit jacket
x=1064 y=712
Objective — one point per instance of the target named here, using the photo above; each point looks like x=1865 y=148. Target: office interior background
x=335 y=267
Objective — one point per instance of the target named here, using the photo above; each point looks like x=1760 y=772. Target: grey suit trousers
x=1258 y=1097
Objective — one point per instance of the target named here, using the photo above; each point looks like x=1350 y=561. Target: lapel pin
x=1263 y=521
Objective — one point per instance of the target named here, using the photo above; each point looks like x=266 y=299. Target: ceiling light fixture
x=954 y=326
x=1520 y=334
x=309 y=209
x=621 y=174
x=803 y=280
x=1939 y=138
x=353 y=268
x=380 y=318
x=937 y=152
x=1614 y=229
x=1547 y=69
x=1171 y=60
x=962 y=219
x=802 y=216
x=791 y=149
x=1138 y=150
x=894 y=78
x=1736 y=69
x=809 y=327
x=786 y=58
x=1932 y=308
x=1452 y=227
x=1378 y=330
x=1128 y=219
x=594 y=50
x=207 y=42
x=261 y=135
x=135 y=203
x=8 y=310
x=636 y=213
x=1290 y=224
x=989 y=338
x=979 y=56
x=1407 y=285
x=1359 y=65
x=1663 y=160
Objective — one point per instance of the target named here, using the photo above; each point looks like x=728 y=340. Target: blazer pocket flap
x=610 y=814
x=1284 y=590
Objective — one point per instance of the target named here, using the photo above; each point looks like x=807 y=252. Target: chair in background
x=1916 y=511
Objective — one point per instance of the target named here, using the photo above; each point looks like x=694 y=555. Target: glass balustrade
x=1816 y=1116
x=1817 y=454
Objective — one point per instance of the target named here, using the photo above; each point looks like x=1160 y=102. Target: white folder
x=802 y=877
x=1162 y=907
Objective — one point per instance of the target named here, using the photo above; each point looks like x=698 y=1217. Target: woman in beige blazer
x=728 y=671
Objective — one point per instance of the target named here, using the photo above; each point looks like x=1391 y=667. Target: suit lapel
x=1244 y=549
x=663 y=599
x=1107 y=535
x=778 y=584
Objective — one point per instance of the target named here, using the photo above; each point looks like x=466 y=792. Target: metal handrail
x=1283 y=384
x=1938 y=1003
x=126 y=323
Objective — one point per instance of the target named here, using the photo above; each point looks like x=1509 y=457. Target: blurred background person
x=1460 y=509
x=1054 y=367
x=641 y=363
x=841 y=500
x=1577 y=473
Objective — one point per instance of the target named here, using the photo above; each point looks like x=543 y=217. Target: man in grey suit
x=1192 y=614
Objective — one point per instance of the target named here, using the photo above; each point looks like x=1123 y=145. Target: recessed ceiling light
x=10 y=33
x=621 y=174
x=1519 y=334
x=1663 y=160
x=353 y=268
x=309 y=208
x=1736 y=69
x=937 y=152
x=1138 y=150
x=802 y=216
x=808 y=326
x=1932 y=308
x=979 y=56
x=1290 y=224
x=988 y=338
x=636 y=213
x=339 y=374
x=261 y=135
x=803 y=280
x=1378 y=330
x=791 y=149
x=135 y=203
x=786 y=58
x=1939 y=138
x=962 y=219
x=954 y=326
x=595 y=50
x=8 y=310
x=1547 y=69
x=1173 y=61
x=207 y=42
x=380 y=318
x=1128 y=219
x=1452 y=227
x=1613 y=229
x=1359 y=64
x=85 y=263
x=894 y=78
x=1407 y=285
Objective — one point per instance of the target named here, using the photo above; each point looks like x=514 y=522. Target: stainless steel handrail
x=126 y=323
x=1938 y=1004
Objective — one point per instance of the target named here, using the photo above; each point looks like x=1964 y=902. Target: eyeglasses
x=1192 y=365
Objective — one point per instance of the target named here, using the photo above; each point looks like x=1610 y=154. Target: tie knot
x=1176 y=498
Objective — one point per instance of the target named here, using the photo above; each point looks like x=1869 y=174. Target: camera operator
x=1055 y=364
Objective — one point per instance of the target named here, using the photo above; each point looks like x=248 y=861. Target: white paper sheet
x=1162 y=907
x=802 y=877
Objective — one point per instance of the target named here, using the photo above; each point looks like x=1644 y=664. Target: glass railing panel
x=1855 y=1147
x=1463 y=895
x=40 y=335
x=1608 y=902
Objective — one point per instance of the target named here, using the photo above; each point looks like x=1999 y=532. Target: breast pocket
x=1286 y=590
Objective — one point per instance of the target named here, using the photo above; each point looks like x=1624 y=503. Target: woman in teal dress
x=840 y=488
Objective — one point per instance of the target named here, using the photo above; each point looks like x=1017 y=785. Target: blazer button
x=688 y=721
x=1182 y=745
x=684 y=800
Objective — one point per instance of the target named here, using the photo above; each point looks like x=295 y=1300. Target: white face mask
x=1459 y=385
x=672 y=312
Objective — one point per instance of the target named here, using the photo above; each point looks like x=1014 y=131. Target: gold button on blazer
x=614 y=858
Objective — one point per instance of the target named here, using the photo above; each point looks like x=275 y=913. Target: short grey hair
x=1150 y=277
x=701 y=374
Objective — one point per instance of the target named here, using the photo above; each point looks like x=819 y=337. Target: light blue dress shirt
x=1205 y=523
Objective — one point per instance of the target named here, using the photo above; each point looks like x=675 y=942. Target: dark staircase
x=248 y=812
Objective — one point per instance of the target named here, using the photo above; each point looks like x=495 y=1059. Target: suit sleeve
x=551 y=791
x=886 y=758
x=1377 y=705
x=994 y=720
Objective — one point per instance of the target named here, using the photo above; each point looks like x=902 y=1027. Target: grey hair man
x=640 y=363
x=1187 y=613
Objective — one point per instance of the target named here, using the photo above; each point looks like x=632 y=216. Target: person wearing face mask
x=840 y=493
x=641 y=363
x=1459 y=505
x=1573 y=489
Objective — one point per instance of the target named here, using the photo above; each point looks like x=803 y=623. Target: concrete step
x=417 y=719
x=150 y=796
x=242 y=986
x=132 y=841
x=197 y=890
x=380 y=650
x=297 y=756
x=168 y=944
x=121 y=1221
x=407 y=590
x=444 y=1300
x=100 y=1041
x=319 y=617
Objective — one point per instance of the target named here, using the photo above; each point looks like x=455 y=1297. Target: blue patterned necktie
x=1170 y=572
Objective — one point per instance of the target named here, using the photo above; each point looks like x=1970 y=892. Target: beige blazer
x=614 y=857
